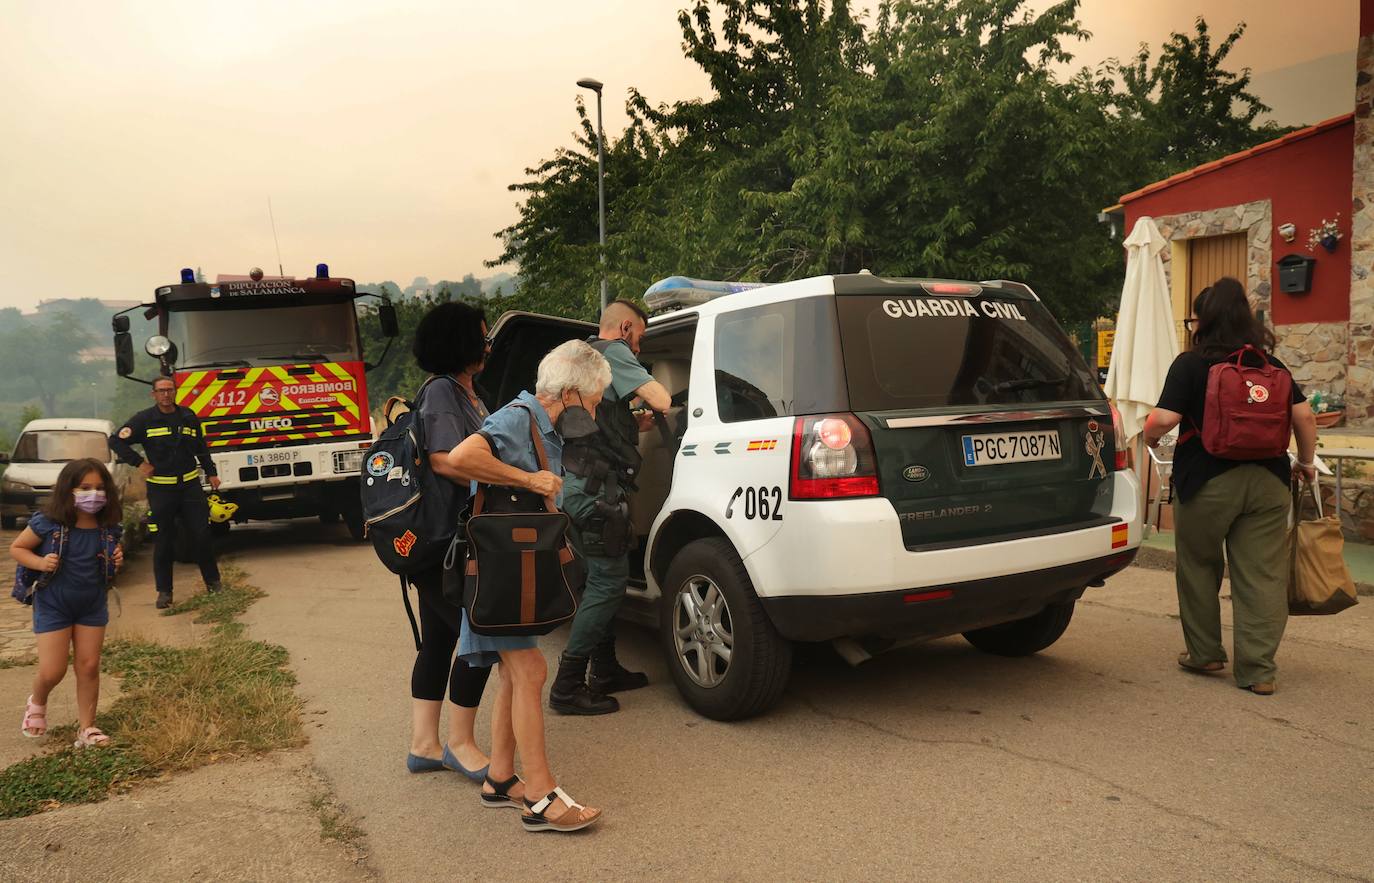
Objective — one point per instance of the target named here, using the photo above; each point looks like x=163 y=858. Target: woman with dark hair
x=450 y=343
x=1229 y=511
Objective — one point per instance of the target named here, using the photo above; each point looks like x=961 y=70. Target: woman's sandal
x=91 y=737
x=1205 y=668
x=35 y=718
x=574 y=818
x=502 y=797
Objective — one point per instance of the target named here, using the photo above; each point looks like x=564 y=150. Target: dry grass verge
x=181 y=707
x=17 y=661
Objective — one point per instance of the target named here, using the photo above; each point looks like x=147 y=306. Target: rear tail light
x=832 y=457
x=1120 y=433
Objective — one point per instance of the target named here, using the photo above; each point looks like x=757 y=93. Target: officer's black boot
x=213 y=586
x=569 y=693
x=164 y=600
x=608 y=675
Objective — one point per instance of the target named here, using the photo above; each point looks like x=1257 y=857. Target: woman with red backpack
x=1237 y=407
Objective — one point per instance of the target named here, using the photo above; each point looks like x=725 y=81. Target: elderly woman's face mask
x=576 y=421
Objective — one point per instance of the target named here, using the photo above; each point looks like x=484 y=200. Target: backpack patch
x=404 y=543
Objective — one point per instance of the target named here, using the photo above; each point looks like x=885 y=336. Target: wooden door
x=1209 y=259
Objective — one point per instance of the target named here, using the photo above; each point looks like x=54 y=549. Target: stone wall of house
x=1316 y=353
x=1359 y=397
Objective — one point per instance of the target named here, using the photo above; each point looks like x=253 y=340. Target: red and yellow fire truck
x=274 y=368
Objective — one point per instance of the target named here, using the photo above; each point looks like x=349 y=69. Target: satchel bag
x=523 y=577
x=1319 y=583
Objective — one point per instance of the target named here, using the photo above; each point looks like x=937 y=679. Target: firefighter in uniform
x=175 y=452
x=600 y=463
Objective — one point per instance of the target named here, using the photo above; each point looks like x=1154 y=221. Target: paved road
x=1097 y=759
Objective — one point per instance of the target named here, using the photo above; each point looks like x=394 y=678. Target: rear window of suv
x=779 y=360
x=930 y=351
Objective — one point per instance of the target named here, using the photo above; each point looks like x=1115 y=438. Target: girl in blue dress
x=82 y=520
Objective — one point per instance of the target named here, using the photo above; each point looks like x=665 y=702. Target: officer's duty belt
x=174 y=479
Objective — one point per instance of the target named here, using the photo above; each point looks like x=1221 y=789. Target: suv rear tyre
x=1022 y=637
x=723 y=652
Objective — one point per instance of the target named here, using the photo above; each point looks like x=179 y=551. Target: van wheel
x=329 y=518
x=9 y=522
x=1022 y=637
x=723 y=652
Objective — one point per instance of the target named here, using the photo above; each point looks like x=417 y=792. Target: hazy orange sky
x=144 y=137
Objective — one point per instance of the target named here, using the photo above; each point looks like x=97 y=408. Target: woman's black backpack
x=407 y=509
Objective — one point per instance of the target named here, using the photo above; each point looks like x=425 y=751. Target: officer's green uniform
x=606 y=574
x=175 y=445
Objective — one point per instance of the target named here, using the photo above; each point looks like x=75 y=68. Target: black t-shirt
x=1185 y=391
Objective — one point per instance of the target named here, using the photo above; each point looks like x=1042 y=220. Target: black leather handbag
x=523 y=577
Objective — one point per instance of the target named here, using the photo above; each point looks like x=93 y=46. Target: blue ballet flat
x=451 y=763
x=418 y=764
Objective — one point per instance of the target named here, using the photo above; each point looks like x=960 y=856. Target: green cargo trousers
x=606 y=577
x=1245 y=509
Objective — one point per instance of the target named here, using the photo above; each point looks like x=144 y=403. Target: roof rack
x=681 y=292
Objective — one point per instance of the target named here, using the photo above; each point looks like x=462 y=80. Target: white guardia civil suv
x=860 y=460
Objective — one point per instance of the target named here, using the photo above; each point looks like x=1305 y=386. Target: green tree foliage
x=40 y=358
x=932 y=139
x=1187 y=108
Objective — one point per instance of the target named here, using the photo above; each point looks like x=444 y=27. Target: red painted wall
x=1305 y=180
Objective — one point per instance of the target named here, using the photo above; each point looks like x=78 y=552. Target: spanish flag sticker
x=1121 y=535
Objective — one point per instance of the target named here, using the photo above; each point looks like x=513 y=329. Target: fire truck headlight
x=157 y=345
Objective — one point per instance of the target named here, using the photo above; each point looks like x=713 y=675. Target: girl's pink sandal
x=91 y=737
x=35 y=718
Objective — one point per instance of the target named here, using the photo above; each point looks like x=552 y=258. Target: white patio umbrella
x=1145 y=344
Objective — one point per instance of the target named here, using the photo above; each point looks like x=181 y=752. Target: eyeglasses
x=166 y=391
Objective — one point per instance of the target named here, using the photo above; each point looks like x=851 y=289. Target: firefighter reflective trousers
x=184 y=502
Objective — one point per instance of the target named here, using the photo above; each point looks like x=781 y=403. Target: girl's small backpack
x=27 y=582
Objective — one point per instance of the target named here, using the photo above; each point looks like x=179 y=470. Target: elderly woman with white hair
x=571 y=379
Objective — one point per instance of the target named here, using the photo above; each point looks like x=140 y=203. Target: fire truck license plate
x=273 y=457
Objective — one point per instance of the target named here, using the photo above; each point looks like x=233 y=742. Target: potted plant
x=1327 y=234
x=1329 y=408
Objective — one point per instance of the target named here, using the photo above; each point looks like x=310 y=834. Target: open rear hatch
x=519 y=341
x=986 y=423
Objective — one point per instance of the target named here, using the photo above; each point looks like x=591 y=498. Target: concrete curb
x=1155 y=558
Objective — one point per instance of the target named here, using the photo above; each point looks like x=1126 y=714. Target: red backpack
x=1247 y=414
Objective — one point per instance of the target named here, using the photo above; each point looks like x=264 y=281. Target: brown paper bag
x=1319 y=583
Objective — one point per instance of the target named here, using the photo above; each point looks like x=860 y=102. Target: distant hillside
x=469 y=286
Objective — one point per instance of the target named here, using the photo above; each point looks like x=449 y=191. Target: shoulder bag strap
x=539 y=452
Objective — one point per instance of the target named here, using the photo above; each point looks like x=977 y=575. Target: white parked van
x=39 y=455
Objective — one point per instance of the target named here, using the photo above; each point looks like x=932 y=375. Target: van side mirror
x=4 y=457
x=386 y=314
x=120 y=324
x=124 y=350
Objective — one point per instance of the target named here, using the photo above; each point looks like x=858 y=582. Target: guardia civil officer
x=600 y=464
x=175 y=451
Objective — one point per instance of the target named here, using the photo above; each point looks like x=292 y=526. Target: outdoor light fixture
x=157 y=345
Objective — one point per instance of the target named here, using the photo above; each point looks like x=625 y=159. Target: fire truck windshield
x=265 y=336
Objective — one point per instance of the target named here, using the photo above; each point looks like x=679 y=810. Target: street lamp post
x=595 y=86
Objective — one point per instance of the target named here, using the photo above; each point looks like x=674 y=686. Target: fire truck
x=274 y=368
